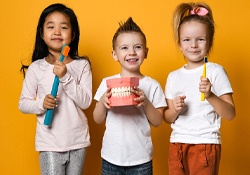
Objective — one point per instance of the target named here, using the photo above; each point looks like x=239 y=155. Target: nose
x=57 y=31
x=194 y=44
x=132 y=51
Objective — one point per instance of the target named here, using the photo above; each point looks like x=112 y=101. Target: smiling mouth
x=195 y=52
x=57 y=39
x=132 y=60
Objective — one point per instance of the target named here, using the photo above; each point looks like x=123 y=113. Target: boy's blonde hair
x=127 y=27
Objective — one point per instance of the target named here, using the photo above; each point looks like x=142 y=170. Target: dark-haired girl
x=62 y=146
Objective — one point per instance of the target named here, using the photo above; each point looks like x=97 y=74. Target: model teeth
x=121 y=91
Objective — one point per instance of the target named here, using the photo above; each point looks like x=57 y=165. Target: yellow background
x=98 y=21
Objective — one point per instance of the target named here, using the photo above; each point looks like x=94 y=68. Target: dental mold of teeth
x=121 y=91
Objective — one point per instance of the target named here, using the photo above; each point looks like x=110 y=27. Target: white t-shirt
x=127 y=138
x=198 y=122
x=69 y=129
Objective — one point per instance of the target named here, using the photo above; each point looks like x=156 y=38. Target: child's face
x=57 y=31
x=130 y=50
x=194 y=42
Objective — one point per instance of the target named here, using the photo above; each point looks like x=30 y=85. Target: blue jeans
x=111 y=169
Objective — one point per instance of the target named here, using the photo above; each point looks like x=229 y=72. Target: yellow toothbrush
x=204 y=76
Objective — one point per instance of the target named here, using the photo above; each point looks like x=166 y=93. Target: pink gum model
x=121 y=91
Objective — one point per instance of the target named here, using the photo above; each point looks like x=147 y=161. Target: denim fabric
x=142 y=169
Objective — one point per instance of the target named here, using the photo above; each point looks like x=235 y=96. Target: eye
x=124 y=48
x=64 y=27
x=201 y=39
x=137 y=47
x=185 y=39
x=50 y=27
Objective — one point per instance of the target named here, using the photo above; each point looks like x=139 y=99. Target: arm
x=154 y=115
x=80 y=89
x=223 y=105
x=29 y=102
x=100 y=111
x=173 y=109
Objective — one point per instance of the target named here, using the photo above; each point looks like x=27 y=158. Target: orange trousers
x=194 y=159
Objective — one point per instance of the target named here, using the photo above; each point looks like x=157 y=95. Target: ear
x=146 y=53
x=114 y=55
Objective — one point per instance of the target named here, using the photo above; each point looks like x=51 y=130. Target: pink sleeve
x=78 y=85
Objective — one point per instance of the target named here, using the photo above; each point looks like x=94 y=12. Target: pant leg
x=205 y=159
x=52 y=163
x=76 y=162
x=111 y=169
x=142 y=169
x=175 y=159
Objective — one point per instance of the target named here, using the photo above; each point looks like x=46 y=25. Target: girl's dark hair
x=40 y=48
x=127 y=27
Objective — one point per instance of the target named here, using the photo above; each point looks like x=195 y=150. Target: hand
x=179 y=103
x=50 y=102
x=205 y=87
x=105 y=98
x=141 y=98
x=60 y=69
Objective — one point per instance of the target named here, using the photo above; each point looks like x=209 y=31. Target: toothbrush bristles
x=205 y=59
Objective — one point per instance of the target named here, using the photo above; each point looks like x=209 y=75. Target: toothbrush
x=204 y=76
x=49 y=112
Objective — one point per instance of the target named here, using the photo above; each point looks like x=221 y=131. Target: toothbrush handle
x=203 y=75
x=49 y=112
x=202 y=96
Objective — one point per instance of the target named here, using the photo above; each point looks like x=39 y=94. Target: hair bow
x=201 y=11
